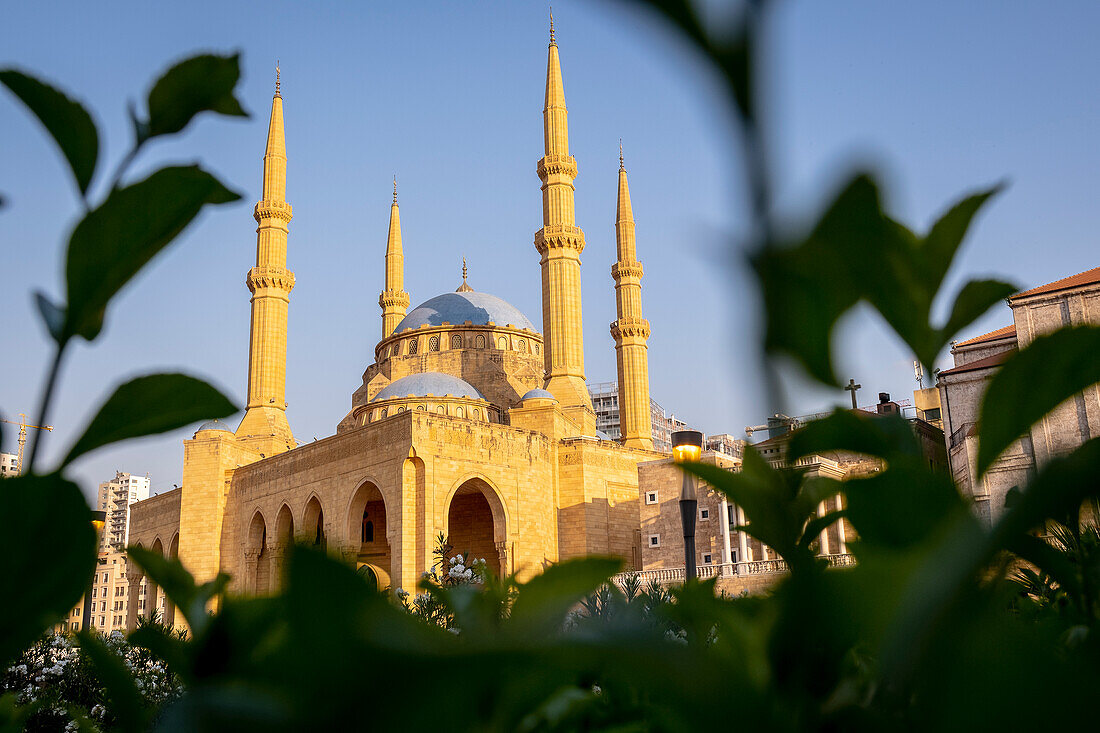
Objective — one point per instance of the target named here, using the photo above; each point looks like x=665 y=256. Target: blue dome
x=538 y=394
x=424 y=384
x=602 y=435
x=214 y=425
x=457 y=308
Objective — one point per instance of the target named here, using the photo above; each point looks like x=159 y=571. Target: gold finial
x=278 y=81
x=395 y=189
x=465 y=286
x=551 y=24
x=621 y=154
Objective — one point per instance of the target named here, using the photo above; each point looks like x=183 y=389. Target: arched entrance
x=366 y=531
x=284 y=538
x=257 y=558
x=169 y=607
x=313 y=524
x=476 y=525
x=152 y=590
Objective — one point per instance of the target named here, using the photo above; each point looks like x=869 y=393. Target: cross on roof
x=852 y=387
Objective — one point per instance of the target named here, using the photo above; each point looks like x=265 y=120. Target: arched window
x=456 y=341
x=522 y=345
x=420 y=407
x=433 y=343
x=441 y=410
x=477 y=413
x=395 y=350
x=536 y=348
x=502 y=343
x=383 y=413
x=412 y=346
x=459 y=412
x=479 y=342
x=401 y=409
x=368 y=528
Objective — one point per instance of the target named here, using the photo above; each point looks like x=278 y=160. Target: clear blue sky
x=939 y=97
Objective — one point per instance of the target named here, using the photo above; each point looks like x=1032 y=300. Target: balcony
x=725 y=570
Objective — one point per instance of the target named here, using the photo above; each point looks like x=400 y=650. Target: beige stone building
x=109 y=596
x=470 y=421
x=1071 y=301
x=740 y=562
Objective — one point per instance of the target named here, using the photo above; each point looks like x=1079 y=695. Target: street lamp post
x=687 y=446
x=98 y=520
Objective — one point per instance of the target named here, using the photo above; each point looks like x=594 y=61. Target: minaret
x=394 y=300
x=560 y=243
x=630 y=330
x=265 y=423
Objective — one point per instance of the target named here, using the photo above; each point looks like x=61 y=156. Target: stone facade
x=1071 y=301
x=470 y=423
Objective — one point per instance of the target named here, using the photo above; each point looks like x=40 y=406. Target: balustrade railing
x=725 y=570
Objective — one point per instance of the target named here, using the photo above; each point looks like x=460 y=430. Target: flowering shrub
x=58 y=684
x=447 y=571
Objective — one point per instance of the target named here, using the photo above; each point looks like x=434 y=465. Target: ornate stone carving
x=273 y=210
x=626 y=269
x=554 y=236
x=270 y=277
x=557 y=165
x=638 y=327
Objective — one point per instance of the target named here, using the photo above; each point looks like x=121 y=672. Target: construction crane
x=23 y=425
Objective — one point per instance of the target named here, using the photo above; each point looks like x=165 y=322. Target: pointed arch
x=313 y=523
x=257 y=555
x=367 y=526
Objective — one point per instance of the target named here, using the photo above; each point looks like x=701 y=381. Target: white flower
x=459 y=559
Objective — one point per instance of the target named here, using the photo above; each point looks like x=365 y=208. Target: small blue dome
x=214 y=425
x=457 y=308
x=538 y=394
x=427 y=384
x=602 y=435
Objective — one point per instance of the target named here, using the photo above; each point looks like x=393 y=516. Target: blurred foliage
x=944 y=623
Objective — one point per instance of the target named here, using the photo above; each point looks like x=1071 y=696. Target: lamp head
x=98 y=520
x=687 y=445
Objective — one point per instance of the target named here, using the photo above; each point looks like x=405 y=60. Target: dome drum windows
x=412 y=346
x=456 y=341
x=433 y=343
x=479 y=342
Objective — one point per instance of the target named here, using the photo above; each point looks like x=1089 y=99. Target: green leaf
x=976 y=297
x=903 y=505
x=817 y=525
x=1056 y=492
x=809 y=287
x=946 y=235
x=882 y=436
x=198 y=84
x=1050 y=561
x=113 y=242
x=67 y=121
x=179 y=585
x=127 y=704
x=50 y=545
x=52 y=315
x=543 y=602
x=1033 y=382
x=149 y=405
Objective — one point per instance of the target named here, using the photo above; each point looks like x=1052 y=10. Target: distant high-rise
x=115 y=498
x=605 y=401
x=9 y=464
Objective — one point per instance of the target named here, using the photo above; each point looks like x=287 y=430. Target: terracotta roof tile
x=1088 y=277
x=1000 y=333
x=987 y=362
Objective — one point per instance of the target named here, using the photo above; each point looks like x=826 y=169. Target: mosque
x=470 y=422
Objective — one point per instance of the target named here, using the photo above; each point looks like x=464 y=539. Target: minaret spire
x=394 y=301
x=265 y=422
x=560 y=243
x=630 y=330
x=465 y=286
